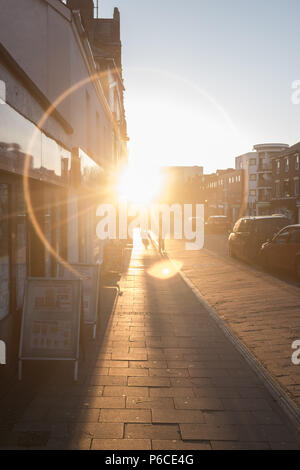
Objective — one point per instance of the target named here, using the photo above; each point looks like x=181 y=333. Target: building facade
x=222 y=193
x=249 y=163
x=62 y=138
x=285 y=183
x=265 y=154
x=258 y=177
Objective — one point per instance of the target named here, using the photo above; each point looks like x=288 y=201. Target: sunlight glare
x=139 y=185
x=165 y=269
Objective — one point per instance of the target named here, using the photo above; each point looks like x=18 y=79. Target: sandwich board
x=90 y=276
x=50 y=327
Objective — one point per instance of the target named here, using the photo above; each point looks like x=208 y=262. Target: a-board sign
x=51 y=319
x=90 y=286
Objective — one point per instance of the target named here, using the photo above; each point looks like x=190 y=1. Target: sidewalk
x=164 y=377
x=262 y=311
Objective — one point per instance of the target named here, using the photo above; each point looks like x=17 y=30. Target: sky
x=208 y=79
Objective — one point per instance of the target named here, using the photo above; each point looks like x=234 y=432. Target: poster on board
x=90 y=274
x=50 y=327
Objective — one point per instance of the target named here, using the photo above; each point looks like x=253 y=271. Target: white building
x=249 y=162
x=258 y=178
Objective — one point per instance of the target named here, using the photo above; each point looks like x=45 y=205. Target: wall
x=53 y=59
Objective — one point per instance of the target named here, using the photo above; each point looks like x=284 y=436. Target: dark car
x=249 y=233
x=217 y=224
x=283 y=251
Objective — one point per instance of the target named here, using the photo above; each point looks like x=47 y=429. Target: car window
x=245 y=225
x=270 y=226
x=295 y=236
x=282 y=238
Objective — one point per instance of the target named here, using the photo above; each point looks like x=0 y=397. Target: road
x=219 y=244
x=262 y=310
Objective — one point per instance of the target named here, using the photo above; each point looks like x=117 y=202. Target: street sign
x=90 y=275
x=50 y=327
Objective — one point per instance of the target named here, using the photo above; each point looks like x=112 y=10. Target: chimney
x=117 y=24
x=116 y=15
x=86 y=8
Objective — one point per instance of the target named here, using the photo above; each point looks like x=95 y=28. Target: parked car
x=249 y=233
x=217 y=224
x=283 y=251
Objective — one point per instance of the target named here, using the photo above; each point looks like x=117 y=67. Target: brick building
x=285 y=183
x=221 y=192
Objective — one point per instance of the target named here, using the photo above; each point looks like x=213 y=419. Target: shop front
x=22 y=251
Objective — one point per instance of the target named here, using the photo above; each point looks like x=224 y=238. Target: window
x=88 y=122
x=245 y=225
x=277 y=188
x=277 y=166
x=5 y=251
x=286 y=188
x=286 y=164
x=253 y=177
x=252 y=161
x=297 y=162
x=296 y=187
x=282 y=238
x=20 y=245
x=98 y=141
x=295 y=236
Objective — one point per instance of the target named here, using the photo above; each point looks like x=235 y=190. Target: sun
x=139 y=185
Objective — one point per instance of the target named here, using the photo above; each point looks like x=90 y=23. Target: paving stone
x=190 y=382
x=177 y=416
x=121 y=444
x=149 y=403
x=109 y=363
x=179 y=445
x=97 y=430
x=129 y=372
x=168 y=372
x=108 y=402
x=148 y=382
x=86 y=391
x=250 y=404
x=108 y=380
x=171 y=392
x=217 y=418
x=198 y=404
x=73 y=415
x=207 y=372
x=148 y=364
x=125 y=416
x=221 y=433
x=126 y=356
x=151 y=431
x=225 y=445
x=125 y=391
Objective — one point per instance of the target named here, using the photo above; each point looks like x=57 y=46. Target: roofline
x=266 y=145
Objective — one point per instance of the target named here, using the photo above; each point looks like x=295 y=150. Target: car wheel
x=298 y=268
